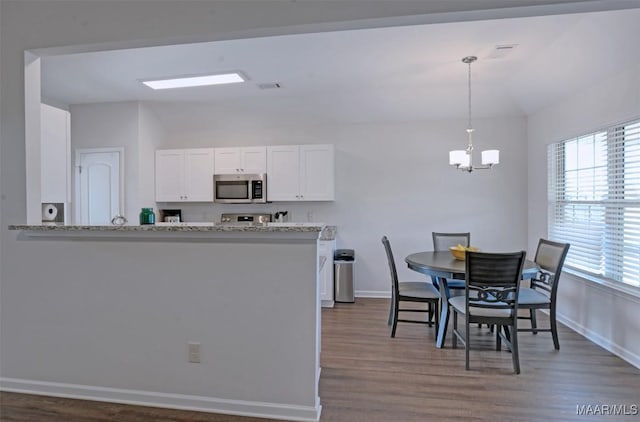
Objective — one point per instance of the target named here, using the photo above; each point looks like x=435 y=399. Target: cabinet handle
x=237 y=169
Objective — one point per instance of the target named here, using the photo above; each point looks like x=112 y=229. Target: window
x=594 y=201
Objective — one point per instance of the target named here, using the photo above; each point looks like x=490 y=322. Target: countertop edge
x=171 y=229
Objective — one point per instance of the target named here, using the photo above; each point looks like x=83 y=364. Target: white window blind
x=594 y=201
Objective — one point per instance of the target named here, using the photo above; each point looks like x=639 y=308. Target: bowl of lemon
x=459 y=250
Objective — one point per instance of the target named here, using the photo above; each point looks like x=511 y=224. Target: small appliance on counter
x=171 y=216
x=53 y=212
x=281 y=216
x=245 y=219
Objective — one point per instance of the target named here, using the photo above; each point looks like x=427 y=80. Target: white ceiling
x=384 y=74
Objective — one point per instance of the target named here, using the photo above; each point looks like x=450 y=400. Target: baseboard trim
x=596 y=338
x=383 y=294
x=164 y=400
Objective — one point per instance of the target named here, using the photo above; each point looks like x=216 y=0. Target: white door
x=98 y=186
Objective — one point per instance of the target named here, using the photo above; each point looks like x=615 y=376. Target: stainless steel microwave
x=240 y=188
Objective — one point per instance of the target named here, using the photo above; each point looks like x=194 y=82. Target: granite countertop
x=179 y=227
x=328 y=233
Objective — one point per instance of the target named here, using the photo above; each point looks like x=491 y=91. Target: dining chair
x=492 y=281
x=542 y=293
x=442 y=242
x=409 y=291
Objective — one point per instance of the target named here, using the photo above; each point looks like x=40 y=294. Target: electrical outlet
x=194 y=352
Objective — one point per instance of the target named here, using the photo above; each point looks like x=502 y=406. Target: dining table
x=442 y=266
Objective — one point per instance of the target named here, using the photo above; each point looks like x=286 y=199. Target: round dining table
x=442 y=266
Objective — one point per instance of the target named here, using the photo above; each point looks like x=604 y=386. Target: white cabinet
x=240 y=160
x=300 y=173
x=325 y=276
x=184 y=175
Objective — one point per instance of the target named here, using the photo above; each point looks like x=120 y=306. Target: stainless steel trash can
x=343 y=269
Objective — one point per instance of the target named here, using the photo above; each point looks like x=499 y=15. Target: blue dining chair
x=442 y=242
x=543 y=291
x=492 y=283
x=409 y=291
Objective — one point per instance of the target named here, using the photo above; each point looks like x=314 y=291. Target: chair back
x=550 y=258
x=443 y=241
x=493 y=280
x=392 y=265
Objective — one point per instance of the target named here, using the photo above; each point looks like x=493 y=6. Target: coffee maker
x=281 y=216
x=171 y=216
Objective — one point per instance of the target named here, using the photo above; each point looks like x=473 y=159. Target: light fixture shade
x=458 y=157
x=490 y=157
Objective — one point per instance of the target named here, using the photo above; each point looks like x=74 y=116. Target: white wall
x=394 y=180
x=110 y=125
x=150 y=134
x=601 y=313
x=54 y=154
x=32 y=25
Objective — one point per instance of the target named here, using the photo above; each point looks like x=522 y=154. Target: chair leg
x=466 y=343
x=498 y=339
x=430 y=314
x=507 y=334
x=554 y=328
x=395 y=318
x=437 y=316
x=454 y=337
x=534 y=324
x=514 y=350
x=391 y=306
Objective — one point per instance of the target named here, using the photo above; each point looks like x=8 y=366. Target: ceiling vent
x=270 y=85
x=501 y=51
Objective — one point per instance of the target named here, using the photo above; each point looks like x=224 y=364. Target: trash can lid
x=344 y=254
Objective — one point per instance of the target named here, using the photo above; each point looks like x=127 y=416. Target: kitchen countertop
x=179 y=227
x=328 y=233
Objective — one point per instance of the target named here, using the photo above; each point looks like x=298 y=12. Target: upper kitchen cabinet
x=300 y=173
x=241 y=160
x=184 y=175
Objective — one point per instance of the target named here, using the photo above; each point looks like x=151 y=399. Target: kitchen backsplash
x=321 y=212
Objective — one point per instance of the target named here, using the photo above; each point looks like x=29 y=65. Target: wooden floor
x=368 y=376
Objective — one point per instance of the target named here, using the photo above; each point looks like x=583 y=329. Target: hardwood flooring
x=368 y=376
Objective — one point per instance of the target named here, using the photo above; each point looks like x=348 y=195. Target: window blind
x=594 y=201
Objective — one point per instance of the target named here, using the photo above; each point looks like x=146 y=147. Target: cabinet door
x=283 y=173
x=317 y=173
x=326 y=248
x=198 y=175
x=227 y=160
x=170 y=175
x=254 y=159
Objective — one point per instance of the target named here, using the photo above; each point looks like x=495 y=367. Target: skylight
x=191 y=81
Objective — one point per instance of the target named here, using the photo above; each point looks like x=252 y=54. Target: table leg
x=444 y=311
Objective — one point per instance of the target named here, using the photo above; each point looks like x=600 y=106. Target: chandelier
x=463 y=159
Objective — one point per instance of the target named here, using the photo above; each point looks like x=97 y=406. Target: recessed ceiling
x=383 y=74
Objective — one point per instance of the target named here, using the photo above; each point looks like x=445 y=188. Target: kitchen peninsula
x=123 y=305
